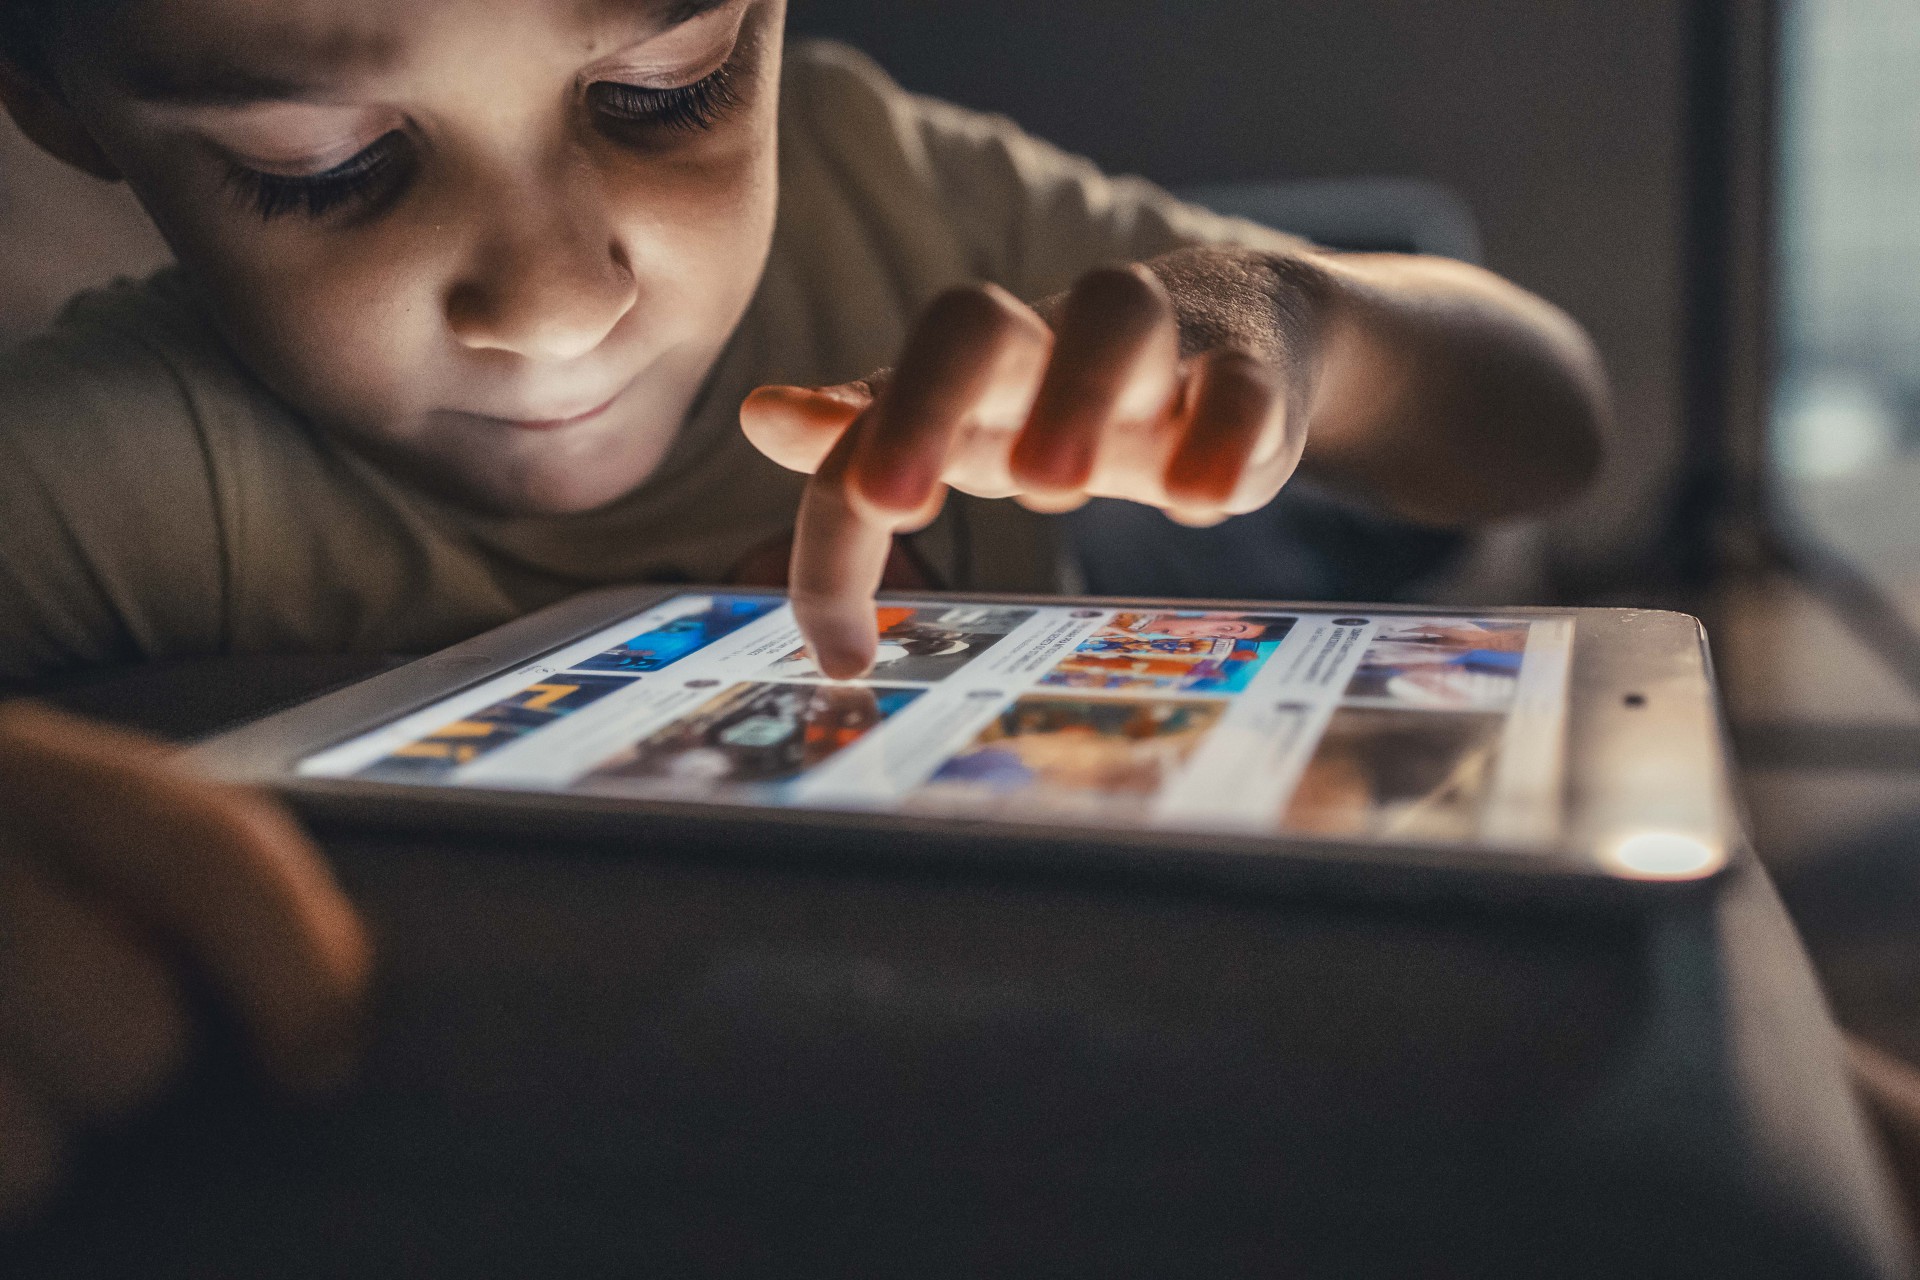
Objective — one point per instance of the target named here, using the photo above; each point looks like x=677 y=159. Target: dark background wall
x=1560 y=123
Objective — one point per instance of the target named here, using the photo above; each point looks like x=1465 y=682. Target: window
x=1846 y=425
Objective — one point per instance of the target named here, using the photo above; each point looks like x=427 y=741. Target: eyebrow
x=217 y=86
x=217 y=83
x=665 y=15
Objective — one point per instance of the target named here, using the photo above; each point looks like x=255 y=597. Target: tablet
x=1245 y=740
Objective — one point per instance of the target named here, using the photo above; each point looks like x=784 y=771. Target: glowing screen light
x=1664 y=855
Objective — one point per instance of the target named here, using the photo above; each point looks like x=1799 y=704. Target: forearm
x=1433 y=390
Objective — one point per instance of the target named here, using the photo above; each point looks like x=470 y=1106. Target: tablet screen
x=1388 y=726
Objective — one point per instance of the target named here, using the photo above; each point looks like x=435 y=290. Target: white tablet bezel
x=1646 y=772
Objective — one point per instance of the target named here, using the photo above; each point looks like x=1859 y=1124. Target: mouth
x=556 y=424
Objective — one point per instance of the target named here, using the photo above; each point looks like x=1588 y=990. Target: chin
x=567 y=471
x=568 y=491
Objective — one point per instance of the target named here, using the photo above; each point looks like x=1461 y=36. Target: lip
x=555 y=424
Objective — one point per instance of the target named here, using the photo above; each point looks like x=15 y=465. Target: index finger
x=972 y=364
x=221 y=872
x=840 y=549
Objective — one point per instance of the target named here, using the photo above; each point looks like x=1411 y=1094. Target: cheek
x=698 y=228
x=696 y=240
x=330 y=324
x=349 y=328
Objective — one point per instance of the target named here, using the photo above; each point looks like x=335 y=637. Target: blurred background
x=1726 y=193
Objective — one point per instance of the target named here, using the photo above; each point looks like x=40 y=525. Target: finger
x=1114 y=369
x=222 y=872
x=1234 y=401
x=840 y=549
x=93 y=1019
x=973 y=363
x=32 y=1149
x=798 y=426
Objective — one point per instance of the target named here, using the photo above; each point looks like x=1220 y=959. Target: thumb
x=798 y=426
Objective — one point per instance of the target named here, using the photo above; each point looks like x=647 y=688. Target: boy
x=470 y=295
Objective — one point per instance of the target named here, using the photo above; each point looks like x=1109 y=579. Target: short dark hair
x=25 y=34
x=30 y=30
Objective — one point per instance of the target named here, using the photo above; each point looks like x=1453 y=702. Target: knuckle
x=1232 y=365
x=1121 y=290
x=1239 y=392
x=973 y=311
x=1081 y=391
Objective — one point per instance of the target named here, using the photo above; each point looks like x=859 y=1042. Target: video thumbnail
x=1182 y=652
x=921 y=645
x=1382 y=772
x=1106 y=757
x=464 y=741
x=709 y=618
x=1444 y=664
x=750 y=734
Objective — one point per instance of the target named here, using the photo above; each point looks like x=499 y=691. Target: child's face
x=537 y=222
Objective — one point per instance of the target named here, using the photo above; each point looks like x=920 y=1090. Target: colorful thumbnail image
x=1189 y=652
x=1448 y=664
x=707 y=619
x=1104 y=757
x=1381 y=772
x=464 y=741
x=750 y=734
x=919 y=643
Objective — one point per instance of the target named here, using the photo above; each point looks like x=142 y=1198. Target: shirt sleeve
x=109 y=545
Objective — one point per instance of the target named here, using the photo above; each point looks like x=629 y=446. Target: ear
x=44 y=116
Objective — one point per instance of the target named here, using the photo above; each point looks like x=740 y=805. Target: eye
x=687 y=109
x=370 y=176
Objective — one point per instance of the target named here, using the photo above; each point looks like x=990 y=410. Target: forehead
x=210 y=49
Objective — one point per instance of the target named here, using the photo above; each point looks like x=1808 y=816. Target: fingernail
x=841 y=394
x=838 y=663
x=843 y=649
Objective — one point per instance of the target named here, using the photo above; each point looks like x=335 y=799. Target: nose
x=548 y=283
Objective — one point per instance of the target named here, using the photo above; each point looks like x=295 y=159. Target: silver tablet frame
x=1646 y=751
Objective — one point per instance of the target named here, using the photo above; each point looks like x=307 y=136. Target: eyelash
x=686 y=109
x=273 y=194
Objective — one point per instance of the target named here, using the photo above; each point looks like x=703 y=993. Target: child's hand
x=118 y=872
x=990 y=399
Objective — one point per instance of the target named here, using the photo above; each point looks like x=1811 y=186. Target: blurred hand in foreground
x=123 y=879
